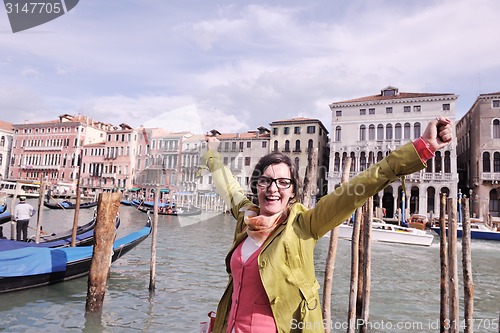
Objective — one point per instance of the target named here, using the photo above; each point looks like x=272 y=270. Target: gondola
x=33 y=267
x=68 y=205
x=84 y=237
x=178 y=211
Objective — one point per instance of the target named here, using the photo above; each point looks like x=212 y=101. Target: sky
x=237 y=65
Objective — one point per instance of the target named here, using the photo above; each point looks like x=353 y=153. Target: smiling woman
x=272 y=279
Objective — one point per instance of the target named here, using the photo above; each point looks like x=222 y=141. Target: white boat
x=390 y=233
x=478 y=230
x=29 y=190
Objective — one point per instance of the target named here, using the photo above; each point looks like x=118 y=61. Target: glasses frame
x=274 y=180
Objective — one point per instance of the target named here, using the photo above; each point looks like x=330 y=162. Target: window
x=388 y=132
x=249 y=144
x=371 y=132
x=362 y=161
x=338 y=113
x=275 y=131
x=388 y=109
x=287 y=146
x=407 y=131
x=380 y=132
x=264 y=144
x=2 y=141
x=241 y=145
x=371 y=111
x=486 y=162
x=286 y=130
x=495 y=103
x=417 y=108
x=398 y=134
x=311 y=129
x=338 y=134
x=496 y=162
x=362 y=112
x=297 y=146
x=416 y=131
x=296 y=130
x=310 y=144
x=297 y=163
x=447 y=162
x=407 y=108
x=446 y=107
x=362 y=133
x=496 y=129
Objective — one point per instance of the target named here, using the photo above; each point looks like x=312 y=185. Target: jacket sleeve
x=337 y=206
x=225 y=184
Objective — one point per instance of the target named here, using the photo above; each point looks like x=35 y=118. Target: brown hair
x=276 y=158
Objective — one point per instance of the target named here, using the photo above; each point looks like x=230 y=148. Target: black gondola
x=33 y=267
x=68 y=205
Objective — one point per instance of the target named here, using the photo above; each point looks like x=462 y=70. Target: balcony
x=108 y=175
x=41 y=167
x=490 y=176
x=44 y=148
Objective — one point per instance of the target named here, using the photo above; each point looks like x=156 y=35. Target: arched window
x=437 y=162
x=362 y=161
x=447 y=162
x=275 y=145
x=494 y=203
x=398 y=134
x=416 y=131
x=310 y=144
x=380 y=156
x=362 y=133
x=338 y=134
x=1 y=159
x=388 y=132
x=496 y=162
x=287 y=146
x=371 y=132
x=430 y=163
x=336 y=163
x=496 y=129
x=486 y=162
x=407 y=132
x=297 y=145
x=297 y=163
x=353 y=162
x=380 y=132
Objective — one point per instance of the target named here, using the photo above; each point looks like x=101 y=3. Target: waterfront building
x=298 y=138
x=6 y=135
x=109 y=165
x=367 y=128
x=478 y=150
x=240 y=152
x=52 y=149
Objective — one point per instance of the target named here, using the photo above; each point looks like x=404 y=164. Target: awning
x=165 y=190
x=135 y=189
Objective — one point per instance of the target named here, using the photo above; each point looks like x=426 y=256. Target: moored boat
x=177 y=211
x=69 y=205
x=33 y=267
x=390 y=233
x=26 y=189
x=478 y=230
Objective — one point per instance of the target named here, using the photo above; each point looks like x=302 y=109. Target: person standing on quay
x=22 y=214
x=272 y=283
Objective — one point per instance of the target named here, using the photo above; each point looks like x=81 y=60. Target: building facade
x=366 y=129
x=6 y=136
x=298 y=138
x=53 y=149
x=478 y=150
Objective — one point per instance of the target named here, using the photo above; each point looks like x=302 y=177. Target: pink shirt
x=250 y=308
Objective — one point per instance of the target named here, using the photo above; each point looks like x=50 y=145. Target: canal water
x=190 y=278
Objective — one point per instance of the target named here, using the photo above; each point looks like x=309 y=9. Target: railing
x=41 y=167
x=60 y=148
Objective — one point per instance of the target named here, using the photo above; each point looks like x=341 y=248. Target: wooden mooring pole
x=107 y=209
x=351 y=314
x=443 y=251
x=154 y=235
x=467 y=269
x=453 y=265
x=365 y=310
x=330 y=262
x=77 y=203
x=41 y=193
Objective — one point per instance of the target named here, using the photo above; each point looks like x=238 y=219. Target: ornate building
x=366 y=129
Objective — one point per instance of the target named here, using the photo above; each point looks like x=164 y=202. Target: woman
x=272 y=284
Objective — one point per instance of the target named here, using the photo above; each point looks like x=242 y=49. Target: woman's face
x=273 y=199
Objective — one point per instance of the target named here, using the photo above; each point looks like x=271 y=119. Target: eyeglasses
x=281 y=183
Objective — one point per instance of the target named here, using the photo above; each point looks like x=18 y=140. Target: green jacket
x=286 y=262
